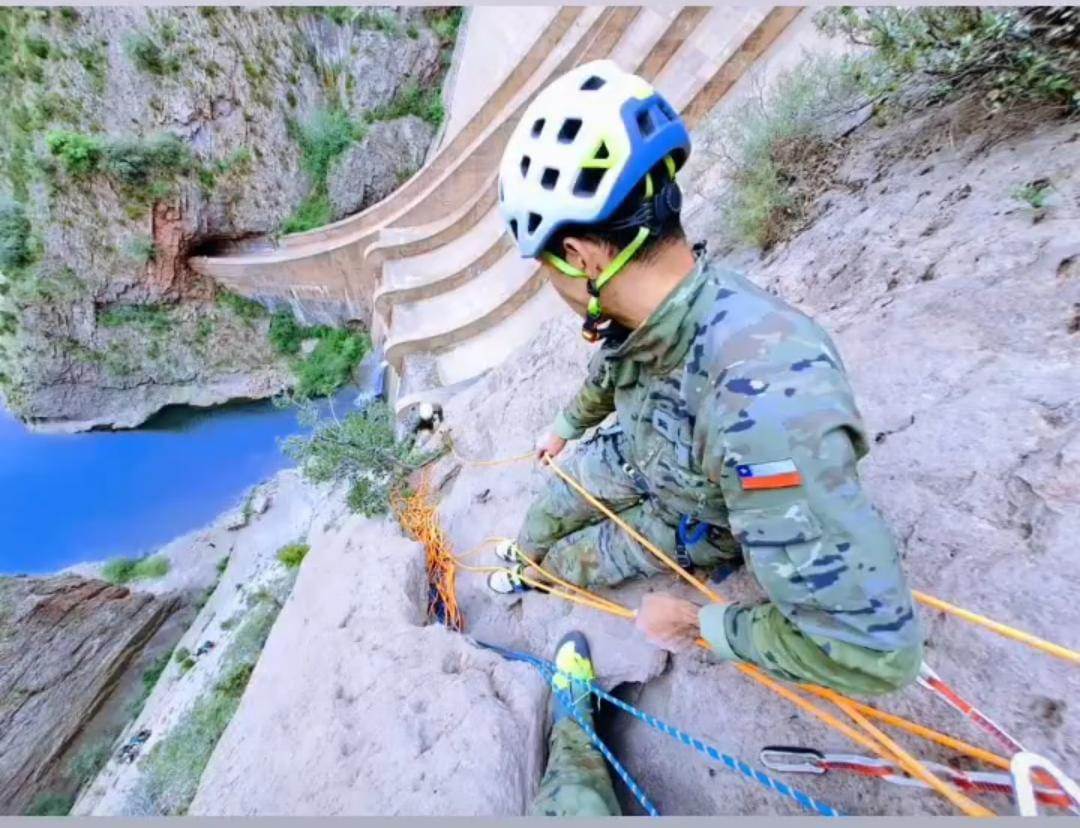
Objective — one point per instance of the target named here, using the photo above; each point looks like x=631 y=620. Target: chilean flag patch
x=781 y=474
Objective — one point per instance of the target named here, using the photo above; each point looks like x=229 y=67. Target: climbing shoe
x=573 y=660
x=508 y=581
x=507 y=550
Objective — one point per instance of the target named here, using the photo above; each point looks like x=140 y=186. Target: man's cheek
x=572 y=291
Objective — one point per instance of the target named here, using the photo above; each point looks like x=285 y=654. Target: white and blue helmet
x=579 y=150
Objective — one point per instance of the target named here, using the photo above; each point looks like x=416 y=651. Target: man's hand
x=668 y=622
x=549 y=445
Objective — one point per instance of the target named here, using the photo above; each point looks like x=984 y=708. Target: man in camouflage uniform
x=736 y=433
x=737 y=436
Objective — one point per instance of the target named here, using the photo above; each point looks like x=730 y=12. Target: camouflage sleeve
x=781 y=436
x=593 y=402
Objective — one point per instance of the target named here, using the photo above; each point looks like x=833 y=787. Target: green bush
x=221 y=565
x=445 y=21
x=141 y=249
x=330 y=364
x=80 y=154
x=293 y=554
x=182 y=654
x=125 y=570
x=152 y=673
x=413 y=99
x=16 y=250
x=360 y=451
x=155 y=318
x=37 y=46
x=322 y=139
x=1034 y=194
x=241 y=306
x=148 y=56
x=313 y=212
x=47 y=804
x=286 y=334
x=924 y=55
x=136 y=163
x=778 y=150
x=85 y=765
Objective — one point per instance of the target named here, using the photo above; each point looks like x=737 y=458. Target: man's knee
x=895 y=669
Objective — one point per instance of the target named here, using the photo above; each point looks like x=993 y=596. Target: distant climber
x=736 y=432
x=576 y=781
x=204 y=648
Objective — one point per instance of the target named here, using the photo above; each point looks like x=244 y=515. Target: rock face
x=188 y=127
x=370 y=170
x=65 y=642
x=384 y=714
x=954 y=307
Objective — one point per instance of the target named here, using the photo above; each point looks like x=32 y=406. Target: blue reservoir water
x=71 y=498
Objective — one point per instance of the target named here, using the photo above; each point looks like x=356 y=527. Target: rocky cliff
x=137 y=136
x=66 y=645
x=952 y=302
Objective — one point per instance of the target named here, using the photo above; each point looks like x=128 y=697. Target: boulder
x=373 y=168
x=357 y=706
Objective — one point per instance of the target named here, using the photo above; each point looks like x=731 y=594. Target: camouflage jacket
x=738 y=413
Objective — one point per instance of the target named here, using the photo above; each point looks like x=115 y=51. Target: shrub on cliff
x=923 y=55
x=360 y=451
x=777 y=150
x=47 y=804
x=15 y=247
x=330 y=364
x=293 y=554
x=125 y=570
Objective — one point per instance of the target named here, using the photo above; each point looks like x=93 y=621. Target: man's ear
x=586 y=255
x=574 y=253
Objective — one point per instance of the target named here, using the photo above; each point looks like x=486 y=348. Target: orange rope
x=1005 y=630
x=879 y=744
x=883 y=746
x=919 y=730
x=420 y=519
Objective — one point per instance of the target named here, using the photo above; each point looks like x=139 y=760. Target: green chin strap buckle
x=589 y=329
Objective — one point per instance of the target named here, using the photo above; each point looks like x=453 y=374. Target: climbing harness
x=548 y=670
x=867 y=736
x=684 y=539
x=783 y=758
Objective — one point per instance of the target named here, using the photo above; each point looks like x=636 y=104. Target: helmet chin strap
x=591 y=329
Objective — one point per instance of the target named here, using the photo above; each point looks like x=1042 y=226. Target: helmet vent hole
x=569 y=130
x=534 y=222
x=513 y=227
x=537 y=128
x=588 y=181
x=549 y=179
x=525 y=161
x=592 y=84
x=602 y=151
x=645 y=123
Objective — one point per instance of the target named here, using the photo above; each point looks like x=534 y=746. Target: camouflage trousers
x=577 y=542
x=576 y=781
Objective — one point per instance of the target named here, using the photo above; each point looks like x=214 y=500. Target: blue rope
x=594 y=737
x=548 y=669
